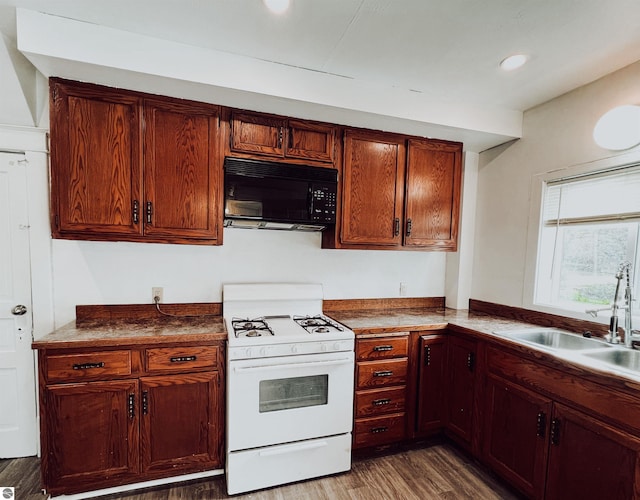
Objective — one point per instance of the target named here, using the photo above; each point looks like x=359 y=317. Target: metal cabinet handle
x=88 y=366
x=380 y=348
x=427 y=355
x=132 y=406
x=380 y=402
x=136 y=211
x=471 y=361
x=145 y=402
x=555 y=432
x=280 y=137
x=182 y=359
x=396 y=227
x=149 y=212
x=385 y=373
x=541 y=424
x=378 y=430
x=409 y=224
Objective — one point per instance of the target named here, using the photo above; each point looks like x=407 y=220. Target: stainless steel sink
x=552 y=338
x=619 y=358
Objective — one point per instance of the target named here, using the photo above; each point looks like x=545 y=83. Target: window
x=590 y=224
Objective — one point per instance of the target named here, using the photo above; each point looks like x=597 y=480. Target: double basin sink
x=590 y=351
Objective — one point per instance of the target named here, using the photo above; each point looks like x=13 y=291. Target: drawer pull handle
x=183 y=359
x=88 y=366
x=381 y=402
x=381 y=348
x=385 y=373
x=378 y=430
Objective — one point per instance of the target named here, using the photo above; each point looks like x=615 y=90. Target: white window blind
x=606 y=196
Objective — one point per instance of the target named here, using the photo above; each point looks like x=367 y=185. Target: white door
x=18 y=429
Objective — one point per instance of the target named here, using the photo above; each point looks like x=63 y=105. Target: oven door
x=285 y=399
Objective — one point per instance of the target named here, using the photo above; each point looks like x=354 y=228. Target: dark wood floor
x=438 y=472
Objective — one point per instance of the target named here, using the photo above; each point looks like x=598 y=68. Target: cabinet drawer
x=388 y=347
x=380 y=401
x=372 y=374
x=378 y=430
x=164 y=359
x=85 y=366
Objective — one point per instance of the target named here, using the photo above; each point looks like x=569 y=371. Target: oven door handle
x=282 y=450
x=280 y=366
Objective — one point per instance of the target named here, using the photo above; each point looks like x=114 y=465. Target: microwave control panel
x=323 y=203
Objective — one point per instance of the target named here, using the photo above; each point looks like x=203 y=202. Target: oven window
x=295 y=392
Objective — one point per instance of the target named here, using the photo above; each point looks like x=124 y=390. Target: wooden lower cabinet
x=151 y=415
x=431 y=383
x=516 y=434
x=589 y=459
x=180 y=422
x=91 y=435
x=381 y=388
x=461 y=388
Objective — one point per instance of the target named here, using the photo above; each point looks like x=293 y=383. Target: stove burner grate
x=246 y=327
x=317 y=324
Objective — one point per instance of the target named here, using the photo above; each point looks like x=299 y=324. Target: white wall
x=120 y=273
x=556 y=135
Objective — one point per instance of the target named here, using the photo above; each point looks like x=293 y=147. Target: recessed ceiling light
x=277 y=6
x=513 y=62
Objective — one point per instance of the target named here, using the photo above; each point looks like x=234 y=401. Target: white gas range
x=289 y=386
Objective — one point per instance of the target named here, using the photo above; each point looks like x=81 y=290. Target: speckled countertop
x=131 y=332
x=380 y=321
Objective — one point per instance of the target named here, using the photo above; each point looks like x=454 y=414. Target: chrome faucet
x=630 y=335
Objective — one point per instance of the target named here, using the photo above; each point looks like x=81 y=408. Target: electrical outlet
x=157 y=291
x=403 y=289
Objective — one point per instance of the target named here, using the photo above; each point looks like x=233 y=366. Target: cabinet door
x=373 y=172
x=431 y=382
x=310 y=141
x=516 y=434
x=589 y=459
x=460 y=394
x=182 y=171
x=181 y=422
x=432 y=194
x=257 y=134
x=92 y=434
x=96 y=162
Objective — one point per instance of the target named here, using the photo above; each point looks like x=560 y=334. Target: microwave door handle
x=280 y=366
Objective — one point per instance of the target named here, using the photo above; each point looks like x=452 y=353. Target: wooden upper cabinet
x=257 y=134
x=181 y=178
x=372 y=175
x=282 y=138
x=95 y=161
x=127 y=166
x=432 y=197
x=398 y=193
x=310 y=141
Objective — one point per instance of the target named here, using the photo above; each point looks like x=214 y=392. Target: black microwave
x=271 y=195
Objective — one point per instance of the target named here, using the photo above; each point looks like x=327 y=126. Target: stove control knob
x=336 y=346
x=294 y=349
x=323 y=347
x=247 y=352
x=263 y=351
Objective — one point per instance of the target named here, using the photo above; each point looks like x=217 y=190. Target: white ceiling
x=445 y=50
